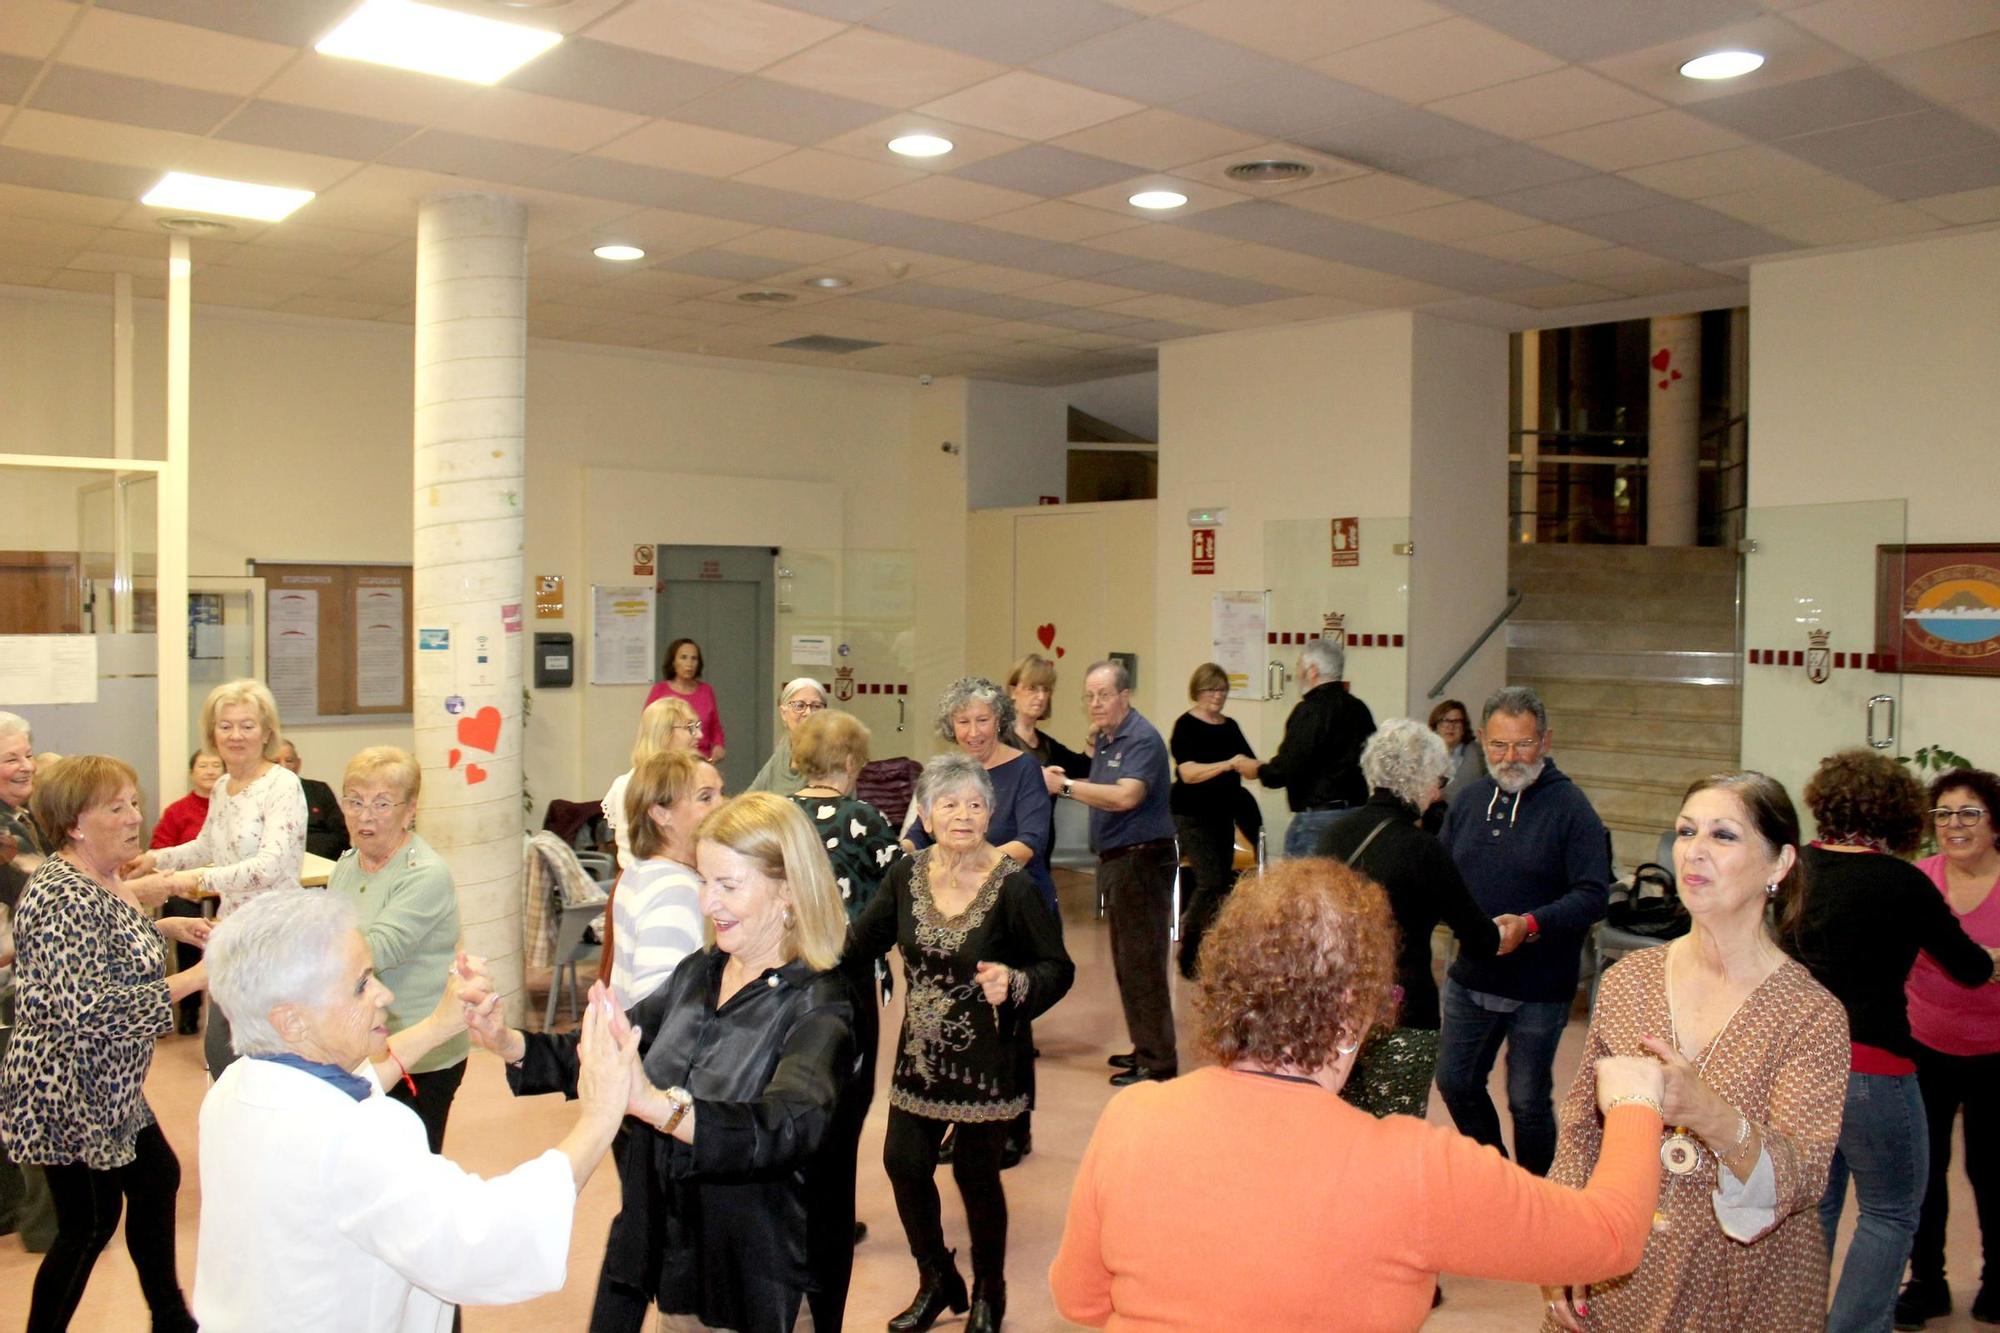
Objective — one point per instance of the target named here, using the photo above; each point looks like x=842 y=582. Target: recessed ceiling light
x=1268 y=171
x=430 y=40
x=623 y=254
x=920 y=145
x=236 y=199
x=1722 y=65
x=1157 y=199
x=829 y=282
x=766 y=297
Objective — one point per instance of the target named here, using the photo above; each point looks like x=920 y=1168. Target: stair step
x=1661 y=665
x=1638 y=559
x=1632 y=847
x=1602 y=729
x=1653 y=806
x=1620 y=636
x=1675 y=606
x=1588 y=764
x=1564 y=694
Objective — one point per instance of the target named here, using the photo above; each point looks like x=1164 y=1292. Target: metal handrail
x=1513 y=603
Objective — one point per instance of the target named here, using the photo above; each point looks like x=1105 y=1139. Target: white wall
x=1873 y=377
x=1016 y=444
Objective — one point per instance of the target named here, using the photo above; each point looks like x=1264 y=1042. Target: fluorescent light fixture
x=235 y=199
x=920 y=145
x=430 y=40
x=1157 y=199
x=623 y=254
x=1722 y=65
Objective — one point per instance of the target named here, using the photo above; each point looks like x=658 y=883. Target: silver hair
x=1329 y=655
x=948 y=774
x=14 y=722
x=278 y=948
x=1516 y=701
x=966 y=691
x=1120 y=677
x=1406 y=757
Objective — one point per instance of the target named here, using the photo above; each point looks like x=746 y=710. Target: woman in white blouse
x=656 y=913
x=667 y=724
x=254 y=839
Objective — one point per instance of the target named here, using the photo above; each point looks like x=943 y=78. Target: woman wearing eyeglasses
x=1957 y=1036
x=667 y=724
x=1868 y=917
x=408 y=912
x=799 y=700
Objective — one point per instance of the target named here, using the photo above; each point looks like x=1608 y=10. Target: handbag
x=1650 y=905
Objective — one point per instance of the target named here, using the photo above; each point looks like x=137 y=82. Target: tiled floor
x=491 y=1132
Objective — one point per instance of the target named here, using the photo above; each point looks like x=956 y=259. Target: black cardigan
x=718 y=1229
x=1866 y=917
x=1424 y=887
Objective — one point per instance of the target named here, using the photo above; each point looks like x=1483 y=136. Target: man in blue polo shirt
x=1132 y=833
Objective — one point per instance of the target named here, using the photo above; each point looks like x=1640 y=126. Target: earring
x=1771 y=889
x=788 y=918
x=1347 y=1047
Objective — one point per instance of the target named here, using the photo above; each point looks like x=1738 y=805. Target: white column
x=1673 y=429
x=471 y=380
x=170 y=583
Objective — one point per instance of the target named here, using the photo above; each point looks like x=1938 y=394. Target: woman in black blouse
x=982 y=954
x=1209 y=751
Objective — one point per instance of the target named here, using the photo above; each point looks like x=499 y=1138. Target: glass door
x=1815 y=677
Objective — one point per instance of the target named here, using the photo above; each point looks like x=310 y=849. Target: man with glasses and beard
x=1535 y=855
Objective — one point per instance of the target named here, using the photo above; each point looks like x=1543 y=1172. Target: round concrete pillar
x=1673 y=433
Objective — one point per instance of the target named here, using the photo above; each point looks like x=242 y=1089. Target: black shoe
x=989 y=1306
x=1129 y=1060
x=938 y=1287
x=1986 y=1305
x=1125 y=1078
x=860 y=1231
x=1014 y=1150
x=949 y=1145
x=1923 y=1299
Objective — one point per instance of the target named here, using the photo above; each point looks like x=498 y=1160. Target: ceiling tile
x=693 y=148
x=1030 y=106
x=723 y=264
x=1160 y=241
x=1157 y=138
x=1953 y=73
x=992 y=278
x=1375 y=195
x=308 y=129
x=1181 y=309
x=1395 y=140
x=1790 y=55
x=1984 y=110
x=1767 y=204
x=1016 y=33
x=1660 y=136
x=813 y=171
x=1555 y=296
x=871 y=142
x=1514 y=166
x=1108 y=319
x=1950 y=174
x=147 y=48
x=1452 y=223
x=1731 y=243
x=950 y=198
x=602 y=178
x=1289 y=105
x=1303 y=29
x=744 y=202
x=292 y=23
x=161 y=106
x=1875 y=31
x=603 y=74
x=1851 y=148
x=1140 y=59
x=1860 y=224
x=777 y=111
x=1607 y=27
x=1438 y=60
x=1200 y=197
x=663 y=233
x=364 y=90
x=1041 y=169
x=1846 y=98
x=1586 y=197
x=877 y=67
x=1605 y=265
x=1077 y=292
x=57 y=205
x=1964 y=207
x=16 y=73
x=1324 y=169
x=1651 y=228
x=1193 y=283
x=1564 y=99
x=549 y=122
x=998 y=305
x=1058 y=220
x=863 y=222
x=1534 y=245
x=61 y=136
x=35 y=27
x=740 y=35
x=1726 y=172
x=46 y=232
x=1684 y=278
x=473 y=155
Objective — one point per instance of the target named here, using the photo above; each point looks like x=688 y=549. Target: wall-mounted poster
x=1238 y=624
x=1937 y=608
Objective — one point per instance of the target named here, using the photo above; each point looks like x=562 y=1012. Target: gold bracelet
x=1635 y=1099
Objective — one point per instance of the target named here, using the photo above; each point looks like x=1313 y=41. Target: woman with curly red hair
x=1260 y=1169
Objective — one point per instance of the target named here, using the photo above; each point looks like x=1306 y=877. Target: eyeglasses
x=692 y=728
x=381 y=805
x=800 y=707
x=1965 y=816
x=1528 y=747
x=1101 y=696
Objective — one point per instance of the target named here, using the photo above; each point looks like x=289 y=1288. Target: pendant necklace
x=1680 y=1153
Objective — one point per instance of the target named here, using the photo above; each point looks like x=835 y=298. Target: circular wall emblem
x=1954 y=611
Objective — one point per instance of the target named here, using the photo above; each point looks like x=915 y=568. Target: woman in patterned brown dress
x=1756 y=1058
x=982 y=954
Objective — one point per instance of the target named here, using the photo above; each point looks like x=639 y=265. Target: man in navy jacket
x=1535 y=855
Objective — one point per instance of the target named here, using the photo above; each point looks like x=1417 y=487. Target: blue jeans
x=1885 y=1146
x=1302 y=835
x=1469 y=1044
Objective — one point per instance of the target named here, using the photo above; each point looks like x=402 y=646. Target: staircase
x=1633 y=649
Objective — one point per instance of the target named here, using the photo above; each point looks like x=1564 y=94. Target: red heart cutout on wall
x=474 y=775
x=1046 y=633
x=482 y=730
x=1662 y=359
x=451 y=760
x=1059 y=652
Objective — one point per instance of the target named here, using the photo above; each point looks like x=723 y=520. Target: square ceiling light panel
x=236 y=199
x=430 y=40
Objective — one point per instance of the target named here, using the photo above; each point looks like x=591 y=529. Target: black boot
x=938 y=1286
x=1922 y=1300
x=989 y=1305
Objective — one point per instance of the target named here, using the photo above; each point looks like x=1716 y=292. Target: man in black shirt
x=1319 y=761
x=326 y=826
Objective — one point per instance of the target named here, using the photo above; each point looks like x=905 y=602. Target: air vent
x=766 y=298
x=821 y=342
x=1268 y=172
x=195 y=226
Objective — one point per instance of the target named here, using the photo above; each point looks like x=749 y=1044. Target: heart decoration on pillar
x=1047 y=635
x=1661 y=360
x=451 y=760
x=474 y=775
x=481 y=731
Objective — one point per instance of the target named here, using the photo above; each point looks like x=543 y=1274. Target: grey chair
x=574 y=941
x=1608 y=943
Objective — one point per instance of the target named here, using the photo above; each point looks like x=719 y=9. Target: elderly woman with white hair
x=1406 y=764
x=982 y=954
x=323 y=1208
x=799 y=700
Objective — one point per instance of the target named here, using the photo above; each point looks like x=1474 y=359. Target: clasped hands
x=146 y=882
x=1513 y=932
x=1619 y=1078
x=611 y=1080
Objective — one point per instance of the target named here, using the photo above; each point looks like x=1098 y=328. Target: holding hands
x=1244 y=765
x=1053 y=778
x=192 y=930
x=1513 y=931
x=1630 y=1078
x=608 y=1074
x=993 y=980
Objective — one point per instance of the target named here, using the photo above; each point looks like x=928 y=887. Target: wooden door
x=41 y=592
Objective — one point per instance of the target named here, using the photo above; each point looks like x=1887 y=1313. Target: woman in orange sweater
x=1250 y=1196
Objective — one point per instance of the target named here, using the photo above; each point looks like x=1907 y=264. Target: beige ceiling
x=1512 y=162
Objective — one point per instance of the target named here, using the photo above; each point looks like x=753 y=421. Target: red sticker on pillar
x=1202 y=557
x=1346 y=542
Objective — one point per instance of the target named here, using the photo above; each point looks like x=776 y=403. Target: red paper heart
x=1059 y=652
x=451 y=760
x=1676 y=375
x=1662 y=359
x=1663 y=384
x=474 y=775
x=1046 y=633
x=482 y=730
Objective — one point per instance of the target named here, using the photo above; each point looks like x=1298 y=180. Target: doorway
x=724 y=598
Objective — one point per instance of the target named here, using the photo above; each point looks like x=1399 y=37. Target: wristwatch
x=1534 y=930
x=683 y=1102
x=1069 y=789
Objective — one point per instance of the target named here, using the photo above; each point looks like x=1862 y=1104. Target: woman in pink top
x=682 y=669
x=1958 y=1046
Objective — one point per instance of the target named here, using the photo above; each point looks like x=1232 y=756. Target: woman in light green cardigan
x=409 y=915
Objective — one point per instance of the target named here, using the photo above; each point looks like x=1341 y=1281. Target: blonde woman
x=667 y=724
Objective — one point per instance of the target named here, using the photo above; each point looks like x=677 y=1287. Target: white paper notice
x=621 y=634
x=437 y=666
x=812 y=650
x=1237 y=623
x=48 y=668
x=292 y=647
x=380 y=628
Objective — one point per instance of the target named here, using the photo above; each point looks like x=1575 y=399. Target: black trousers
x=1210 y=848
x=187 y=1010
x=910 y=1155
x=432 y=1100
x=830 y=1175
x=1951 y=1083
x=1138 y=904
x=87 y=1206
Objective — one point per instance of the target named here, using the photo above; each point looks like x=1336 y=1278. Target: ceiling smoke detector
x=766 y=297
x=1268 y=172
x=195 y=226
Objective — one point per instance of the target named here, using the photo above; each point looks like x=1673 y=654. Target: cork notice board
x=337 y=641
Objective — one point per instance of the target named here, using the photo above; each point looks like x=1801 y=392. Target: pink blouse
x=253 y=841
x=703 y=703
x=1945 y=1016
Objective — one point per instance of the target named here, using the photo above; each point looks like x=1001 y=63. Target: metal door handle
x=1888 y=742
x=899 y=715
x=1274 y=680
